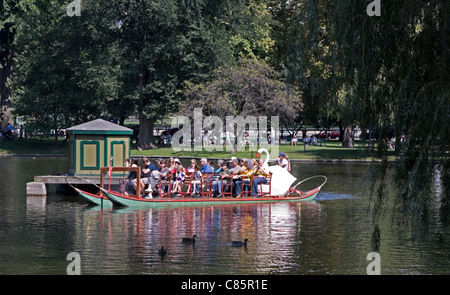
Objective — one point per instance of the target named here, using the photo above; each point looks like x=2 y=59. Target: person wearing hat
x=174 y=168
x=282 y=161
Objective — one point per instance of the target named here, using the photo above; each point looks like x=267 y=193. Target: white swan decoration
x=281 y=178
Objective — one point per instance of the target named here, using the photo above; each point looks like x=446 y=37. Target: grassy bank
x=330 y=152
x=34 y=146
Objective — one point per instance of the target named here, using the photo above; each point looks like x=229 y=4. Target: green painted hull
x=94 y=199
x=123 y=201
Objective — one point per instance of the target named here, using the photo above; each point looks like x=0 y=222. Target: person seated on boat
x=206 y=168
x=156 y=175
x=219 y=167
x=282 y=161
x=234 y=167
x=146 y=171
x=192 y=165
x=196 y=176
x=147 y=167
x=171 y=163
x=179 y=179
x=173 y=170
x=236 y=173
x=233 y=170
x=164 y=172
x=259 y=176
x=158 y=167
x=244 y=176
x=224 y=173
x=131 y=180
x=148 y=163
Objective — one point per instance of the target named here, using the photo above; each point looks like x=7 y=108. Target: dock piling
x=36 y=189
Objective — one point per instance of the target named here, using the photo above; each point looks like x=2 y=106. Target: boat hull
x=124 y=201
x=94 y=199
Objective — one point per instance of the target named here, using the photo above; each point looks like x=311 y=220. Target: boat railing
x=312 y=177
x=109 y=173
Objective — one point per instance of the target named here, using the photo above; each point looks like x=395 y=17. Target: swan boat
x=108 y=197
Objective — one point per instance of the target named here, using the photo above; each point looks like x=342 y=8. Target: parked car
x=334 y=135
x=329 y=135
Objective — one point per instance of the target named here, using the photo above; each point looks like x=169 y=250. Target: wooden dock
x=61 y=179
x=40 y=184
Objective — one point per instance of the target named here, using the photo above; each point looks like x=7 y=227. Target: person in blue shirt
x=206 y=168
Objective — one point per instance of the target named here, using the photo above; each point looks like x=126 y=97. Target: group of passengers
x=228 y=175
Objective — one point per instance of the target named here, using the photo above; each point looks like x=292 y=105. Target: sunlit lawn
x=329 y=152
x=332 y=151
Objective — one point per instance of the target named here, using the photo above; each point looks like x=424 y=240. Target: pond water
x=330 y=235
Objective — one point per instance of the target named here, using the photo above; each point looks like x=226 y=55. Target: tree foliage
x=64 y=73
x=11 y=14
x=250 y=88
x=391 y=72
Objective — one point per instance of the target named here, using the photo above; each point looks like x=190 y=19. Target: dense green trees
x=249 y=88
x=11 y=14
x=391 y=72
x=129 y=57
x=63 y=76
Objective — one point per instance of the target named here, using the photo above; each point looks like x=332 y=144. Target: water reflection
x=328 y=236
x=272 y=230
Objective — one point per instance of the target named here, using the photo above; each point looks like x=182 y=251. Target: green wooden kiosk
x=93 y=143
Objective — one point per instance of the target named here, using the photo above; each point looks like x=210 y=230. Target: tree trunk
x=145 y=130
x=347 y=141
x=6 y=70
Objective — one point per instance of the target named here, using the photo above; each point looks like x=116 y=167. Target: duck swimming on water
x=239 y=243
x=189 y=240
x=162 y=251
